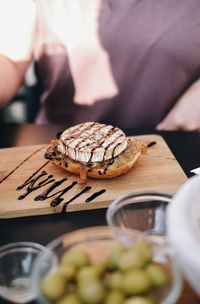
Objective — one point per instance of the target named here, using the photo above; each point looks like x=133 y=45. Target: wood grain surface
x=156 y=170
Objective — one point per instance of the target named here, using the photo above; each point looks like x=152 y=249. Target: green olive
x=126 y=276
x=138 y=300
x=145 y=250
x=130 y=259
x=70 y=299
x=157 y=274
x=113 y=257
x=91 y=291
x=67 y=270
x=71 y=287
x=75 y=257
x=136 y=282
x=88 y=272
x=114 y=297
x=53 y=286
x=100 y=268
x=114 y=280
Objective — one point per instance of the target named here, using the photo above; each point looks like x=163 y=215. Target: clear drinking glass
x=145 y=212
x=16 y=265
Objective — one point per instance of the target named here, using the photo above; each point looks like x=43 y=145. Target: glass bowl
x=145 y=212
x=98 y=242
x=16 y=264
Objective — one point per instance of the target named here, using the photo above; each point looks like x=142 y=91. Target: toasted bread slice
x=106 y=169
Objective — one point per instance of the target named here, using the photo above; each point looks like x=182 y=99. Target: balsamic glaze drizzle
x=34 y=182
x=31 y=184
x=29 y=178
x=58 y=199
x=58 y=134
x=44 y=195
x=86 y=189
x=93 y=196
x=152 y=143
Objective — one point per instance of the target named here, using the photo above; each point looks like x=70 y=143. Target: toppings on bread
x=95 y=150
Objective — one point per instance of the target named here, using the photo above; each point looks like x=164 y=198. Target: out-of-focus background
x=25 y=104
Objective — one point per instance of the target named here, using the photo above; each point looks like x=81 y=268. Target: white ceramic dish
x=183 y=229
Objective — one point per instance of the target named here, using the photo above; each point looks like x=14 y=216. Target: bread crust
x=107 y=169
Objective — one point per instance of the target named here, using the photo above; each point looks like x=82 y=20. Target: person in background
x=127 y=63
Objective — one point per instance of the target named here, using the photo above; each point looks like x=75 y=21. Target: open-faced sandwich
x=95 y=150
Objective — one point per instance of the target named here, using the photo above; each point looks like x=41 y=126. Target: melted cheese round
x=92 y=142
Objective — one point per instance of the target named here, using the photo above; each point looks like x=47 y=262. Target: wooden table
x=43 y=229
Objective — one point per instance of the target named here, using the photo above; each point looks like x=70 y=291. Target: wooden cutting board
x=25 y=176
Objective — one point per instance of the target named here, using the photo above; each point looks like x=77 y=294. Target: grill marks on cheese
x=92 y=142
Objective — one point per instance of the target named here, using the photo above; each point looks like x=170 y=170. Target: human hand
x=185 y=115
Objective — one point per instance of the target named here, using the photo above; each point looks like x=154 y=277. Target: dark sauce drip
x=95 y=195
x=86 y=189
x=73 y=136
x=84 y=139
x=109 y=163
x=59 y=199
x=151 y=144
x=58 y=134
x=30 y=178
x=105 y=150
x=89 y=163
x=31 y=184
x=44 y=195
x=113 y=152
x=100 y=142
x=102 y=138
x=110 y=132
x=89 y=166
x=74 y=133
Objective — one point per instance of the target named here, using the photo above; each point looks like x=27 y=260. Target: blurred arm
x=17 y=21
x=11 y=78
x=185 y=115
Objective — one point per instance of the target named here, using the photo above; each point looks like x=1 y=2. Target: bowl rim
x=119 y=202
x=104 y=231
x=18 y=246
